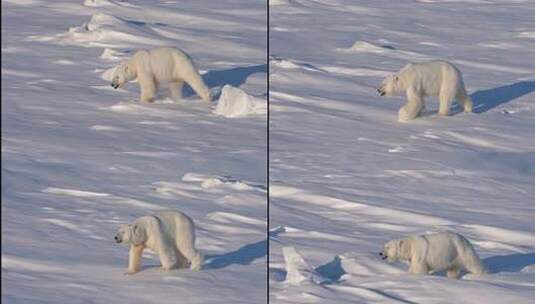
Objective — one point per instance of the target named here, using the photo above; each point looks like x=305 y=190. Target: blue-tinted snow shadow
x=234 y=76
x=485 y=100
x=509 y=263
x=243 y=256
x=332 y=270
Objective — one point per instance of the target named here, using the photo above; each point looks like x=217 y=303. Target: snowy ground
x=79 y=158
x=345 y=176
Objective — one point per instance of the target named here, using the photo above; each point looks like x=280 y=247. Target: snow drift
x=235 y=102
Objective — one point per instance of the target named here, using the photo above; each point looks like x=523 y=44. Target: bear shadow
x=509 y=263
x=243 y=256
x=234 y=76
x=485 y=100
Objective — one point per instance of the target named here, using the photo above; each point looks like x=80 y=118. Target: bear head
x=122 y=74
x=394 y=250
x=131 y=234
x=389 y=86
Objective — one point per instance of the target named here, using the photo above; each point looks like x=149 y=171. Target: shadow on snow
x=509 y=263
x=243 y=256
x=485 y=100
x=234 y=76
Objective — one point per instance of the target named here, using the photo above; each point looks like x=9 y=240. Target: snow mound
x=100 y=3
x=105 y=30
x=218 y=181
x=97 y=3
x=100 y=20
x=366 y=47
x=234 y=103
x=291 y=64
x=112 y=55
x=528 y=269
x=208 y=182
x=279 y=2
x=297 y=269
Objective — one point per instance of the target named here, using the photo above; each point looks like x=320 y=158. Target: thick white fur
x=171 y=235
x=446 y=251
x=161 y=65
x=433 y=78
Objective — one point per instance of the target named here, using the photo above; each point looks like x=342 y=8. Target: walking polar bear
x=171 y=235
x=169 y=65
x=435 y=252
x=433 y=78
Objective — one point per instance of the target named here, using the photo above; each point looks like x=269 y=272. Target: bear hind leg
x=166 y=252
x=465 y=101
x=167 y=259
x=175 y=89
x=197 y=84
x=186 y=246
x=453 y=273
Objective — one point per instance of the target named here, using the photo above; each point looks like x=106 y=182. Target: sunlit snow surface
x=346 y=177
x=79 y=159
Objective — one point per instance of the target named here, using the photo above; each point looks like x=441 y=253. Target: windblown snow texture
x=346 y=177
x=79 y=159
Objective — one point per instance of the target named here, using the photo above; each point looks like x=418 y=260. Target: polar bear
x=171 y=235
x=435 y=252
x=433 y=78
x=160 y=65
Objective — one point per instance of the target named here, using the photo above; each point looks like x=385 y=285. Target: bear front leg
x=175 y=89
x=413 y=107
x=418 y=268
x=134 y=259
x=147 y=86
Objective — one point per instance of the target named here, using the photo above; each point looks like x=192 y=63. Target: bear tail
x=196 y=262
x=470 y=259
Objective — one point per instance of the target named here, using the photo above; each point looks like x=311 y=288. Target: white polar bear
x=171 y=235
x=169 y=65
x=433 y=78
x=435 y=252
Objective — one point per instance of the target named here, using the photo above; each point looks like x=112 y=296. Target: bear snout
x=117 y=239
x=383 y=256
x=114 y=85
x=381 y=92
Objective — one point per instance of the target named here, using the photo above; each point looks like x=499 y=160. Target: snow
x=234 y=103
x=297 y=269
x=346 y=177
x=79 y=159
